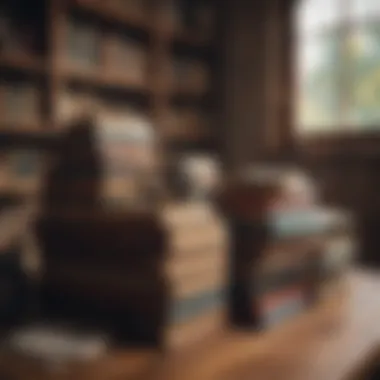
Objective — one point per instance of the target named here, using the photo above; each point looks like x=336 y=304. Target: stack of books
x=196 y=271
x=126 y=145
x=281 y=234
x=107 y=272
x=112 y=160
x=125 y=273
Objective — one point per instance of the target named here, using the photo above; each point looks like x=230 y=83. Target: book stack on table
x=196 y=267
x=156 y=279
x=282 y=234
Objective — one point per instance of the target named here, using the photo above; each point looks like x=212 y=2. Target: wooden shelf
x=58 y=76
x=18 y=126
x=195 y=140
x=37 y=139
x=98 y=79
x=183 y=97
x=113 y=14
x=192 y=39
x=22 y=62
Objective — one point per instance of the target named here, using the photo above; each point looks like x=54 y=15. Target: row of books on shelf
x=176 y=121
x=84 y=42
x=175 y=15
x=119 y=57
x=28 y=97
x=87 y=49
x=21 y=103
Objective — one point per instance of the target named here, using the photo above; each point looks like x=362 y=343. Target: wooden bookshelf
x=23 y=62
x=114 y=14
x=101 y=80
x=146 y=36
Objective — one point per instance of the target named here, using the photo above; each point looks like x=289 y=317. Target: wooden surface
x=329 y=343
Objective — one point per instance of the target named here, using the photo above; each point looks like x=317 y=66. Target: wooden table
x=328 y=343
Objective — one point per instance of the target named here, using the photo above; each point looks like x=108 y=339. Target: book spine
x=179 y=269
x=183 y=334
x=184 y=309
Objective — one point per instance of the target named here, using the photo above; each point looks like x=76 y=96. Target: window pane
x=365 y=8
x=318 y=104
x=314 y=14
x=364 y=62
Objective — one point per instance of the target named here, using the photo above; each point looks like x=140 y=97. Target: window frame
x=342 y=131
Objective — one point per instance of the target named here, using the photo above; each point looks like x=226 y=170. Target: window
x=338 y=65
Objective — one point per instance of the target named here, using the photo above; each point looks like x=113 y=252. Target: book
x=307 y=221
x=179 y=215
x=126 y=59
x=176 y=270
x=277 y=306
x=187 y=308
x=82 y=45
x=18 y=96
x=201 y=327
x=188 y=285
x=196 y=239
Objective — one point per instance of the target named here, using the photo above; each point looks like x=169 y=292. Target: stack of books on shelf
x=281 y=237
x=196 y=271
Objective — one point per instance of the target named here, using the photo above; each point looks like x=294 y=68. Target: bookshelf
x=154 y=57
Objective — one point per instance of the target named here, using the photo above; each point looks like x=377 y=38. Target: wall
x=257 y=104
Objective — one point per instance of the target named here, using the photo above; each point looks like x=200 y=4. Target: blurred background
x=179 y=175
